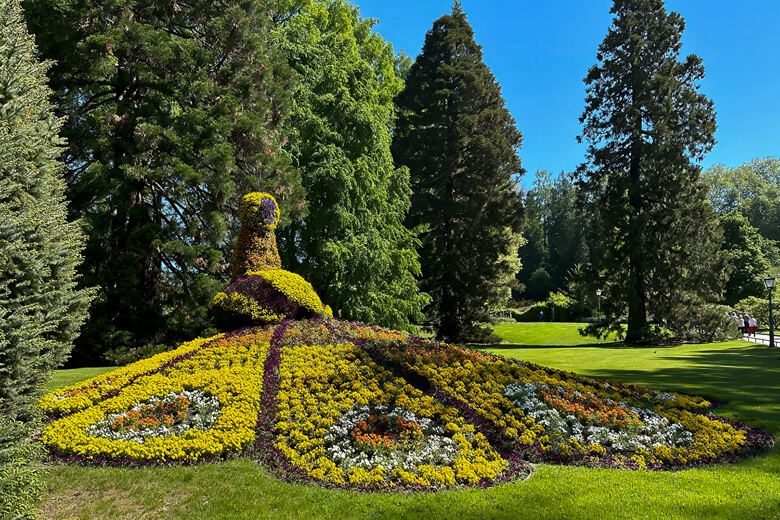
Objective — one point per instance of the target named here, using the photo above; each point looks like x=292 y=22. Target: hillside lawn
x=745 y=377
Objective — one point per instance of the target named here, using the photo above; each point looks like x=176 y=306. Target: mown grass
x=745 y=377
x=72 y=375
x=547 y=334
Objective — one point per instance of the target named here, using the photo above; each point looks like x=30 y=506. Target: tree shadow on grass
x=745 y=379
x=508 y=346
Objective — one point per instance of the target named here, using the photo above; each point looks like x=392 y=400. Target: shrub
x=557 y=307
x=756 y=307
x=705 y=323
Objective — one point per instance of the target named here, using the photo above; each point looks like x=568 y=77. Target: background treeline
x=746 y=201
x=174 y=110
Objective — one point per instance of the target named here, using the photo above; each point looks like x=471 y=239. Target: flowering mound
x=349 y=405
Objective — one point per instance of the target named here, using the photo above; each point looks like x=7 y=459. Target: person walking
x=746 y=317
x=741 y=324
x=753 y=326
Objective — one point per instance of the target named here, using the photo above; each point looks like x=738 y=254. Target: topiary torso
x=260 y=291
x=256 y=248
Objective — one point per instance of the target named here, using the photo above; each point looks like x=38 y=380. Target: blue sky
x=540 y=51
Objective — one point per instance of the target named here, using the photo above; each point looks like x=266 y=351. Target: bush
x=756 y=307
x=704 y=323
x=480 y=333
x=557 y=307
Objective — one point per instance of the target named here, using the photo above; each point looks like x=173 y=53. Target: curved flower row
x=226 y=374
x=568 y=418
x=341 y=419
x=86 y=393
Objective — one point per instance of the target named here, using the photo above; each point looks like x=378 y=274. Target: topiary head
x=259 y=211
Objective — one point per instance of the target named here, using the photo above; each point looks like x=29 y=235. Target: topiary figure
x=260 y=291
x=256 y=248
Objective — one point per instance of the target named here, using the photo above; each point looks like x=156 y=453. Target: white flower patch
x=202 y=413
x=436 y=448
x=654 y=431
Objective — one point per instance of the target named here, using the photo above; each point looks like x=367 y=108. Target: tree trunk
x=637 y=294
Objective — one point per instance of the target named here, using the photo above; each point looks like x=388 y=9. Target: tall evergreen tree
x=173 y=111
x=40 y=307
x=654 y=239
x=460 y=144
x=352 y=244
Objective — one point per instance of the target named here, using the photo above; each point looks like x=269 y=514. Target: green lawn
x=546 y=334
x=745 y=377
x=65 y=377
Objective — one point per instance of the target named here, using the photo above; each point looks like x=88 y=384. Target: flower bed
x=222 y=384
x=349 y=405
x=335 y=408
x=557 y=416
x=88 y=392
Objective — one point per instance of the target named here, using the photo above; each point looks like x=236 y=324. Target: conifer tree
x=460 y=144
x=352 y=244
x=40 y=307
x=173 y=112
x=654 y=239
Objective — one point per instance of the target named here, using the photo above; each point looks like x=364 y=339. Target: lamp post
x=598 y=293
x=769 y=281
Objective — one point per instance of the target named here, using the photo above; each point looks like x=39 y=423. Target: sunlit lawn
x=745 y=377
x=544 y=334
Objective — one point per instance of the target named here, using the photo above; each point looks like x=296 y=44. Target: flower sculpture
x=260 y=291
x=349 y=405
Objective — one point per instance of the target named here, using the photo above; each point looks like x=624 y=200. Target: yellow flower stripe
x=85 y=393
x=245 y=306
x=230 y=369
x=321 y=383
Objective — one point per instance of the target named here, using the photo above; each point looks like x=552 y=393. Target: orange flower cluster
x=385 y=433
x=591 y=409
x=152 y=415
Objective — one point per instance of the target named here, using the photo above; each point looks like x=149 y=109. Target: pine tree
x=40 y=307
x=173 y=112
x=653 y=235
x=460 y=144
x=352 y=244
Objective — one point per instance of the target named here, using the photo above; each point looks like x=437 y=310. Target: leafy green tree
x=753 y=189
x=352 y=244
x=746 y=258
x=41 y=308
x=460 y=144
x=653 y=236
x=540 y=284
x=173 y=111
